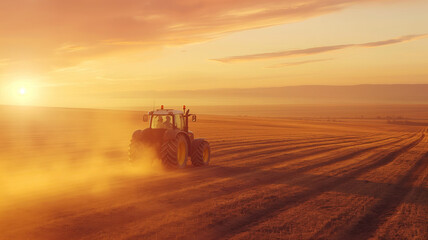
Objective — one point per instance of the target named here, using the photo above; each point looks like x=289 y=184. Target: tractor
x=169 y=136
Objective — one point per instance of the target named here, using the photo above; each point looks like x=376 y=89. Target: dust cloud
x=49 y=152
x=92 y=177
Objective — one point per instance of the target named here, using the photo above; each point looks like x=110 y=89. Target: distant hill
x=400 y=93
x=309 y=94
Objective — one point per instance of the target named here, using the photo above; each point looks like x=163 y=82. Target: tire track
x=270 y=179
x=217 y=172
x=283 y=156
x=338 y=222
x=220 y=172
x=303 y=144
x=380 y=212
x=241 y=172
x=135 y=215
x=236 y=226
x=237 y=149
x=237 y=143
x=296 y=171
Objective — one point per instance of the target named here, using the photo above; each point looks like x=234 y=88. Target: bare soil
x=64 y=175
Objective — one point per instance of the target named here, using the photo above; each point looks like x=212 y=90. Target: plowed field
x=64 y=175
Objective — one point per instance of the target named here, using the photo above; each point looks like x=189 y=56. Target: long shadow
x=299 y=146
x=282 y=158
x=132 y=214
x=260 y=162
x=324 y=183
x=220 y=153
x=367 y=225
x=234 y=143
x=235 y=226
x=212 y=173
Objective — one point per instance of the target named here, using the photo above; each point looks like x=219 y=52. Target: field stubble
x=64 y=175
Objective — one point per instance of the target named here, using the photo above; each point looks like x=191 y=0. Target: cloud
x=50 y=31
x=289 y=64
x=317 y=50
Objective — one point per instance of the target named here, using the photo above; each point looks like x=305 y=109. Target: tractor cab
x=169 y=119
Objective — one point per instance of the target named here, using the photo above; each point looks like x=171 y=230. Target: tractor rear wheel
x=201 y=152
x=174 y=153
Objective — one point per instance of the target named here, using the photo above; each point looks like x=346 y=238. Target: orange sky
x=84 y=53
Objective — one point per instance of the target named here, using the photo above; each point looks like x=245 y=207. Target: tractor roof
x=166 y=112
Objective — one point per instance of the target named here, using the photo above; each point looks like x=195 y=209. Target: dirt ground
x=64 y=175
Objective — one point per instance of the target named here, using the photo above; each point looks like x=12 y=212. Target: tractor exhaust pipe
x=186 y=115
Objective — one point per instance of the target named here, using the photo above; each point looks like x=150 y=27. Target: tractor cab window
x=179 y=123
x=161 y=121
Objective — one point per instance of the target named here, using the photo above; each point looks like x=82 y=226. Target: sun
x=22 y=91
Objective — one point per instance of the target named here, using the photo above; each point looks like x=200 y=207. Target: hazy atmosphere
x=101 y=53
x=214 y=119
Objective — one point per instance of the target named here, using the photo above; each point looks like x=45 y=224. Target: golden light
x=22 y=91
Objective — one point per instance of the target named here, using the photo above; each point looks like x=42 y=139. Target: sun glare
x=22 y=91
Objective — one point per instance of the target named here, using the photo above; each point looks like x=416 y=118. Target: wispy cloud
x=289 y=64
x=318 y=50
x=80 y=30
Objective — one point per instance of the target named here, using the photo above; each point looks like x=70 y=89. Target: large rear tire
x=201 y=153
x=174 y=153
